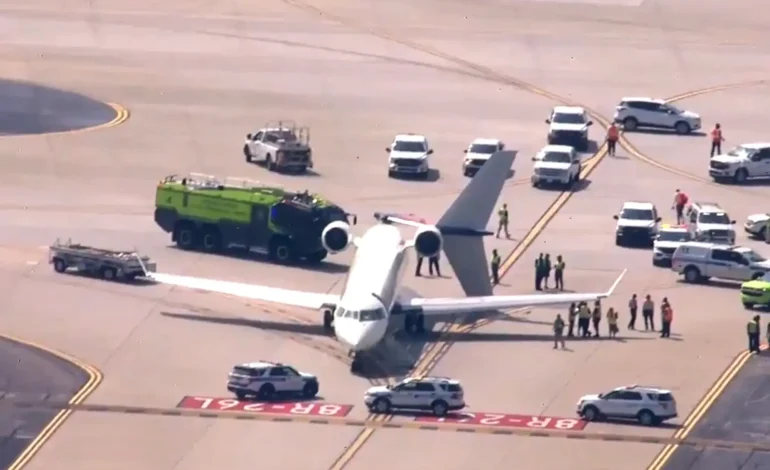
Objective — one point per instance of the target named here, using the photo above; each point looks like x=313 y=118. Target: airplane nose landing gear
x=414 y=323
x=356 y=366
x=328 y=320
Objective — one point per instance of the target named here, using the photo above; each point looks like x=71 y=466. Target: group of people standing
x=543 y=268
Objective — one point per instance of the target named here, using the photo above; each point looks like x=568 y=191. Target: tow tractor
x=109 y=265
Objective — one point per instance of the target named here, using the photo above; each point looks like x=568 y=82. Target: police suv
x=709 y=222
x=756 y=226
x=699 y=261
x=648 y=405
x=408 y=155
x=265 y=380
x=667 y=241
x=439 y=395
x=637 y=223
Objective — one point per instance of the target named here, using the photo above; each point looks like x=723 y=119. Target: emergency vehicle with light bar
x=667 y=240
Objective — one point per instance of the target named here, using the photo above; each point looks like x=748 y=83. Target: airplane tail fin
x=465 y=223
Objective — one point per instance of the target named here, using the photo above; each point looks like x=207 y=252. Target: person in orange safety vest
x=716 y=140
x=613 y=134
x=667 y=316
x=680 y=200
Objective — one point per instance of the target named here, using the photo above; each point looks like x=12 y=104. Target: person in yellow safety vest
x=612 y=321
x=596 y=317
x=584 y=319
x=502 y=223
x=495 y=265
x=752 y=331
x=558 y=332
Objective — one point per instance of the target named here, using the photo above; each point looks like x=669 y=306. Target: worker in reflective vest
x=502 y=222
x=716 y=140
x=666 y=317
x=680 y=200
x=752 y=330
x=613 y=134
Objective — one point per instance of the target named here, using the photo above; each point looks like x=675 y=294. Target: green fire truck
x=203 y=212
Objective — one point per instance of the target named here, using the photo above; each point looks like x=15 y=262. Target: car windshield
x=408 y=146
x=673 y=109
x=753 y=256
x=568 y=118
x=741 y=151
x=674 y=236
x=372 y=315
x=714 y=218
x=483 y=148
x=636 y=214
x=557 y=157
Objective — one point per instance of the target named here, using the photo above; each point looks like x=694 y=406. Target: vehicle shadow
x=591 y=149
x=325 y=266
x=636 y=424
x=580 y=186
x=433 y=176
x=138 y=281
x=666 y=132
x=287 y=172
x=284 y=399
x=714 y=283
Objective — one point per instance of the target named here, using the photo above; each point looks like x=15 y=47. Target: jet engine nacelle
x=428 y=242
x=336 y=237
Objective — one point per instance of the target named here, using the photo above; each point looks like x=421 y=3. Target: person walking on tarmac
x=558 y=272
x=495 y=266
x=613 y=134
x=584 y=319
x=680 y=200
x=666 y=317
x=612 y=321
x=502 y=221
x=632 y=309
x=716 y=140
x=539 y=264
x=752 y=330
x=648 y=310
x=596 y=317
x=547 y=269
x=433 y=264
x=573 y=312
x=558 y=332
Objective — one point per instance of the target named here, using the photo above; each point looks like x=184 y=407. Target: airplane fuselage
x=371 y=288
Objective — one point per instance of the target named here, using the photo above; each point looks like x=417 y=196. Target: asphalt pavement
x=741 y=414
x=28 y=374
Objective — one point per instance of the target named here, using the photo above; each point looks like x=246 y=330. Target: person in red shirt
x=612 y=139
x=716 y=140
x=680 y=200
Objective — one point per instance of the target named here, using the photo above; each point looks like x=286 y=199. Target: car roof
x=642 y=389
x=643 y=98
x=569 y=109
x=756 y=145
x=259 y=364
x=708 y=245
x=673 y=227
x=638 y=205
x=442 y=380
x=485 y=141
x=558 y=148
x=708 y=206
x=410 y=138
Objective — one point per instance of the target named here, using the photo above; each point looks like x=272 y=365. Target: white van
x=698 y=262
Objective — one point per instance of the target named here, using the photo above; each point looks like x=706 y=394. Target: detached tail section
x=464 y=224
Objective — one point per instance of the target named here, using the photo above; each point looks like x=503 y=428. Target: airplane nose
x=360 y=337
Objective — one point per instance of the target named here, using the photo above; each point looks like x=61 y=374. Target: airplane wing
x=295 y=298
x=463 y=305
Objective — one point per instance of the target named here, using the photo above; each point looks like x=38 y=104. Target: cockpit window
x=349 y=313
x=372 y=315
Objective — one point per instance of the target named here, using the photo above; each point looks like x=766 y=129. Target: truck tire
x=630 y=124
x=271 y=166
x=59 y=265
x=281 y=250
x=692 y=274
x=211 y=241
x=740 y=176
x=247 y=153
x=108 y=273
x=186 y=236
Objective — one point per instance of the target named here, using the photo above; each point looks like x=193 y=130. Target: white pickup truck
x=280 y=146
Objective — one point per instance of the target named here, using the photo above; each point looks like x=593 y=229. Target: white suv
x=569 y=125
x=741 y=163
x=709 y=222
x=558 y=164
x=637 y=223
x=756 y=225
x=408 y=155
x=478 y=152
x=265 y=380
x=438 y=395
x=634 y=113
x=648 y=405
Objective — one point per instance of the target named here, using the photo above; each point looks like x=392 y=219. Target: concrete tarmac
x=742 y=414
x=30 y=375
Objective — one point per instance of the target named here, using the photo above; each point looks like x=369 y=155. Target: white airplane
x=360 y=316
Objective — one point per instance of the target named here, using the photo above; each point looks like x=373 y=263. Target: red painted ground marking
x=510 y=421
x=312 y=408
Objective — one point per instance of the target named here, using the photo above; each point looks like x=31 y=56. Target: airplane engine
x=336 y=237
x=428 y=242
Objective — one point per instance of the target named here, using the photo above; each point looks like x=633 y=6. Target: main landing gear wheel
x=328 y=320
x=415 y=323
x=357 y=365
